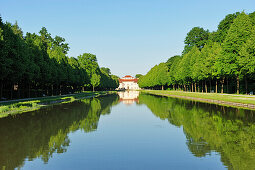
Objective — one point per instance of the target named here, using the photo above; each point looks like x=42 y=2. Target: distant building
x=128 y=83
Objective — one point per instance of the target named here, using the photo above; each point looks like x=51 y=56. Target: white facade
x=128 y=83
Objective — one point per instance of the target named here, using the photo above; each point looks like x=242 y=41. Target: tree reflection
x=41 y=133
x=210 y=128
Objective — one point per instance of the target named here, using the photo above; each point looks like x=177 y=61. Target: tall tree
x=138 y=75
x=95 y=80
x=237 y=35
x=196 y=37
x=224 y=26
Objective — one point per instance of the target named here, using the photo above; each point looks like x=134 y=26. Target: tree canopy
x=37 y=64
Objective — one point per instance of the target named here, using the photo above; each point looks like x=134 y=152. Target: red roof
x=134 y=80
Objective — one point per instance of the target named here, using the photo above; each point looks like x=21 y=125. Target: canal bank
x=13 y=107
x=233 y=100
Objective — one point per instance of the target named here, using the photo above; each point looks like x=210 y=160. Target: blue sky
x=128 y=36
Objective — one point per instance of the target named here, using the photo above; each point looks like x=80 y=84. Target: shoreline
x=229 y=100
x=19 y=106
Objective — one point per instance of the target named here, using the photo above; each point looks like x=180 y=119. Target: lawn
x=244 y=99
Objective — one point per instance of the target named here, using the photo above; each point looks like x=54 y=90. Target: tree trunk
x=184 y=87
x=227 y=86
x=221 y=87
x=162 y=87
x=216 y=86
x=52 y=89
x=28 y=90
x=195 y=87
x=210 y=85
x=198 y=89
x=205 y=87
x=12 y=86
x=93 y=88
x=1 y=90
x=222 y=83
x=192 y=87
x=202 y=87
x=246 y=85
x=237 y=84
x=173 y=87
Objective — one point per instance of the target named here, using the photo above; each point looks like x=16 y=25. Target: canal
x=129 y=130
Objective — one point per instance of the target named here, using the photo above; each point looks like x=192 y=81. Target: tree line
x=37 y=64
x=218 y=61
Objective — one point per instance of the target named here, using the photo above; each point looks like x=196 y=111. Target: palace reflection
x=129 y=97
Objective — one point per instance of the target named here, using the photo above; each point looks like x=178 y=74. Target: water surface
x=129 y=131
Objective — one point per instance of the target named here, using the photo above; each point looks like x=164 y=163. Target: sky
x=127 y=36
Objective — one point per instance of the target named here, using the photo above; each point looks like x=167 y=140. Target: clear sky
x=128 y=36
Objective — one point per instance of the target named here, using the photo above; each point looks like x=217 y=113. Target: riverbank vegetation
x=34 y=65
x=26 y=105
x=219 y=61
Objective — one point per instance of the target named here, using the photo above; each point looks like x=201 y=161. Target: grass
x=24 y=105
x=234 y=98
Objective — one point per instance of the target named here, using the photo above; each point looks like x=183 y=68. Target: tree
x=89 y=63
x=246 y=58
x=186 y=66
x=224 y=26
x=106 y=70
x=138 y=75
x=237 y=36
x=196 y=37
x=174 y=72
x=252 y=17
x=95 y=80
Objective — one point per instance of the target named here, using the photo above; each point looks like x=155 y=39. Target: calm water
x=129 y=131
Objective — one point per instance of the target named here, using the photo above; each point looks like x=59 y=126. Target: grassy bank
x=24 y=105
x=234 y=100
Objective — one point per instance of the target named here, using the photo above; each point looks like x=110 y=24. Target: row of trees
x=211 y=59
x=37 y=64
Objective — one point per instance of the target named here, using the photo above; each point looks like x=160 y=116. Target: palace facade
x=128 y=83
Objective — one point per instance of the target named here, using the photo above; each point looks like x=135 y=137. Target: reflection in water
x=41 y=133
x=129 y=97
x=209 y=128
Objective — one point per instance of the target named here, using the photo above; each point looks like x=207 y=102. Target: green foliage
x=105 y=70
x=95 y=80
x=38 y=64
x=89 y=63
x=138 y=75
x=224 y=26
x=196 y=37
x=157 y=76
x=108 y=81
x=246 y=57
